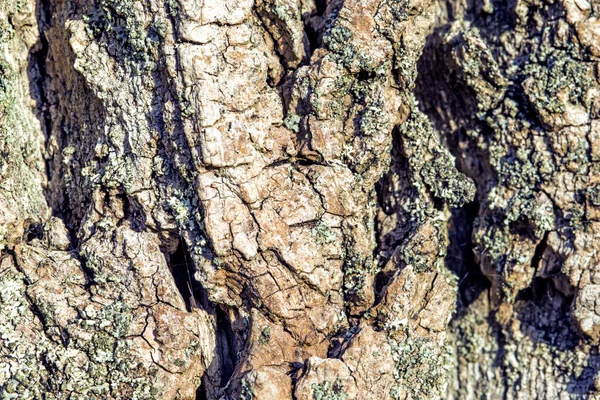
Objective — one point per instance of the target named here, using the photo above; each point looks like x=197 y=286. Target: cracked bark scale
x=239 y=199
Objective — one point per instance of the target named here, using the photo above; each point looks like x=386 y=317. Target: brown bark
x=261 y=200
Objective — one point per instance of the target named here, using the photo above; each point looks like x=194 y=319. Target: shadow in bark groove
x=180 y=264
x=583 y=385
x=461 y=259
x=37 y=72
x=226 y=345
x=37 y=75
x=432 y=72
x=392 y=190
x=313 y=27
x=195 y=296
x=544 y=315
x=59 y=93
x=201 y=393
x=77 y=120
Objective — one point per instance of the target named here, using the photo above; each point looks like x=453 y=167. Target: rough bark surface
x=299 y=199
x=515 y=89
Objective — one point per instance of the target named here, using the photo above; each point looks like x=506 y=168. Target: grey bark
x=270 y=199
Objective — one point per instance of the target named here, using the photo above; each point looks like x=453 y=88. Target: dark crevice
x=460 y=258
x=201 y=393
x=296 y=370
x=39 y=58
x=314 y=37
x=364 y=75
x=37 y=80
x=340 y=342
x=180 y=265
x=181 y=262
x=41 y=92
x=321 y=6
x=34 y=231
x=176 y=141
x=314 y=27
x=380 y=279
x=542 y=311
x=582 y=386
x=134 y=213
x=539 y=252
x=394 y=188
x=226 y=344
x=195 y=296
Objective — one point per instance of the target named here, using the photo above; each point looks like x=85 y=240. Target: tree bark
x=299 y=199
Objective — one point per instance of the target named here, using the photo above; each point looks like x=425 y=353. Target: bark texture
x=299 y=199
x=514 y=86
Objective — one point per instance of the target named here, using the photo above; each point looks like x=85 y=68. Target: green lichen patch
x=327 y=390
x=247 y=391
x=428 y=159
x=419 y=368
x=593 y=194
x=323 y=234
x=121 y=22
x=292 y=122
x=357 y=267
x=265 y=336
x=557 y=77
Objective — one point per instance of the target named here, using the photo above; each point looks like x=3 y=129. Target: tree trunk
x=299 y=199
